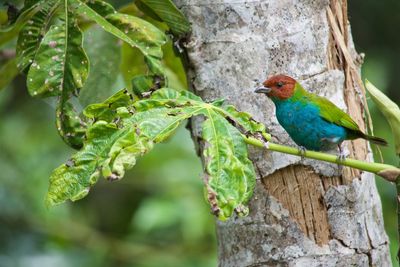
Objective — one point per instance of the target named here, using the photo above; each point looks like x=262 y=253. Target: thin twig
x=388 y=172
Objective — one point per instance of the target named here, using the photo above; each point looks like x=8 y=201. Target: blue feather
x=302 y=121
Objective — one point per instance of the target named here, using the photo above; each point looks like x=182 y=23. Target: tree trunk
x=304 y=212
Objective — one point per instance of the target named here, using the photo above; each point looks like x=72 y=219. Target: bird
x=313 y=122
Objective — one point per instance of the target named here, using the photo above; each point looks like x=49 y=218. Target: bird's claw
x=266 y=144
x=342 y=154
x=302 y=151
x=341 y=157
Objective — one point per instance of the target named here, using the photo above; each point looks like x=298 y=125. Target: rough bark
x=304 y=212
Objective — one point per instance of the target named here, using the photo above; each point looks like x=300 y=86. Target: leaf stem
x=388 y=172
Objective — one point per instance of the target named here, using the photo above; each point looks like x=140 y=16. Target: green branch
x=386 y=171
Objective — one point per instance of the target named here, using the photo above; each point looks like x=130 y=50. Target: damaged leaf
x=229 y=174
x=123 y=130
x=243 y=120
x=60 y=68
x=112 y=147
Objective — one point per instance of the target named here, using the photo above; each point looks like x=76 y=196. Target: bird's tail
x=375 y=140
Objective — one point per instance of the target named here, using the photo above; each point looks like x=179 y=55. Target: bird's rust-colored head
x=278 y=86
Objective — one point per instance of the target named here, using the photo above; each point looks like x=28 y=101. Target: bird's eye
x=279 y=84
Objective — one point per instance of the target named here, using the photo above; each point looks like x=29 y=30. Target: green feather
x=328 y=110
x=333 y=114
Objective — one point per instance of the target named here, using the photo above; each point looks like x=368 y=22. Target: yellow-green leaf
x=105 y=56
x=229 y=174
x=389 y=109
x=133 y=30
x=125 y=130
x=170 y=14
x=112 y=147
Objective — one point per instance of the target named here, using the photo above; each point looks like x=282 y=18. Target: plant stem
x=373 y=167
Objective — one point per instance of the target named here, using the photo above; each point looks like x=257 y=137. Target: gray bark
x=303 y=213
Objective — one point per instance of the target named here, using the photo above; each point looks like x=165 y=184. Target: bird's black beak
x=262 y=89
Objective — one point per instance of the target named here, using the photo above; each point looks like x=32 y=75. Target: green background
x=156 y=215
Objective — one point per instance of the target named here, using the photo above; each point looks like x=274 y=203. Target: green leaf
x=175 y=70
x=145 y=84
x=229 y=174
x=132 y=63
x=389 y=109
x=105 y=56
x=8 y=72
x=113 y=147
x=60 y=68
x=60 y=63
x=147 y=37
x=70 y=125
x=9 y=32
x=243 y=120
x=135 y=31
x=23 y=17
x=107 y=110
x=29 y=3
x=170 y=14
x=124 y=130
x=3 y=17
x=32 y=33
x=102 y=8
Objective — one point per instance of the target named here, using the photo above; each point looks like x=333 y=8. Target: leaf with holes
x=229 y=174
x=60 y=68
x=70 y=125
x=113 y=147
x=107 y=110
x=242 y=120
x=60 y=62
x=124 y=130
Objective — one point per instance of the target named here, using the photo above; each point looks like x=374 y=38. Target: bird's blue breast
x=306 y=127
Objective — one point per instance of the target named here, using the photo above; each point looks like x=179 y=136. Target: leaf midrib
x=46 y=23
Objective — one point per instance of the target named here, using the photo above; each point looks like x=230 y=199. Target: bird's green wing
x=332 y=113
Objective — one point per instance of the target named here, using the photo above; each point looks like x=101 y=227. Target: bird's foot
x=341 y=157
x=266 y=144
x=303 y=151
x=342 y=154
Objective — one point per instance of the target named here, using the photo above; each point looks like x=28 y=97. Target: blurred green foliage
x=156 y=215
x=377 y=39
